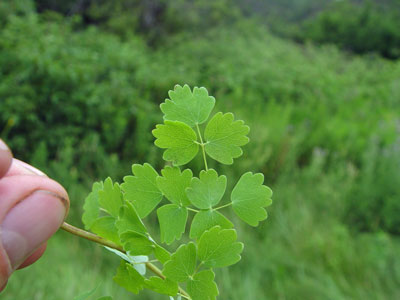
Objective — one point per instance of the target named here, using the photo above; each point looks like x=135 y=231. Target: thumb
x=32 y=208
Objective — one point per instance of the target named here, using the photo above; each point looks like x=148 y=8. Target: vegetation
x=362 y=28
x=324 y=133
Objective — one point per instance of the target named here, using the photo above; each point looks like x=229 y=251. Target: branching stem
x=99 y=240
x=202 y=147
x=223 y=206
x=192 y=209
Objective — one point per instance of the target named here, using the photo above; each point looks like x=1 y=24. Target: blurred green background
x=317 y=81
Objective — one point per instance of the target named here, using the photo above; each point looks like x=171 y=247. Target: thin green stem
x=202 y=147
x=223 y=206
x=186 y=297
x=198 y=267
x=99 y=240
x=192 y=209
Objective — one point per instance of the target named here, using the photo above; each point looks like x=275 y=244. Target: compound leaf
x=249 y=196
x=217 y=247
x=129 y=220
x=141 y=189
x=105 y=227
x=207 y=219
x=173 y=184
x=224 y=136
x=182 y=263
x=129 y=278
x=202 y=286
x=206 y=191
x=136 y=243
x=172 y=219
x=179 y=140
x=162 y=286
x=110 y=197
x=92 y=207
x=187 y=107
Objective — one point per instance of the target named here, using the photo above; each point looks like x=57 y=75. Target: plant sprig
x=115 y=212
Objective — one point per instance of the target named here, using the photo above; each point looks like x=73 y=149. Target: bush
x=360 y=28
x=80 y=96
x=373 y=203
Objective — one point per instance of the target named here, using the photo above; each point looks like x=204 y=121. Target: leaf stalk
x=202 y=147
x=99 y=240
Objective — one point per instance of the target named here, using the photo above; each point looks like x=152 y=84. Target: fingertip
x=5 y=158
x=34 y=257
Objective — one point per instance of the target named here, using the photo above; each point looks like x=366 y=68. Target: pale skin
x=32 y=208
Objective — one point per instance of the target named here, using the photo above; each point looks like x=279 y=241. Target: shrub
x=360 y=28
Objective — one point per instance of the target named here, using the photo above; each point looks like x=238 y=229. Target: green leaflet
x=105 y=298
x=182 y=264
x=129 y=278
x=172 y=219
x=224 y=136
x=91 y=207
x=202 y=286
x=249 y=196
x=218 y=247
x=173 y=184
x=141 y=189
x=129 y=220
x=161 y=254
x=110 y=197
x=179 y=139
x=162 y=286
x=207 y=219
x=206 y=191
x=136 y=243
x=187 y=107
x=105 y=227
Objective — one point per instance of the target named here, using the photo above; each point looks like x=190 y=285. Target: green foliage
x=207 y=190
x=206 y=219
x=112 y=211
x=141 y=189
x=224 y=137
x=129 y=278
x=362 y=28
x=172 y=219
x=202 y=286
x=372 y=203
x=182 y=264
x=249 y=196
x=173 y=184
x=179 y=140
x=66 y=92
x=192 y=108
x=218 y=248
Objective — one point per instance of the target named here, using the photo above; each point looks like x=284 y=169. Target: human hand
x=32 y=208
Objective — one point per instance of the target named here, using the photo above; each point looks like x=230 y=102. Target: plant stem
x=223 y=206
x=99 y=240
x=202 y=147
x=192 y=209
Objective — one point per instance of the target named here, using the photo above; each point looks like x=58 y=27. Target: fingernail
x=30 y=223
x=3 y=146
x=28 y=168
